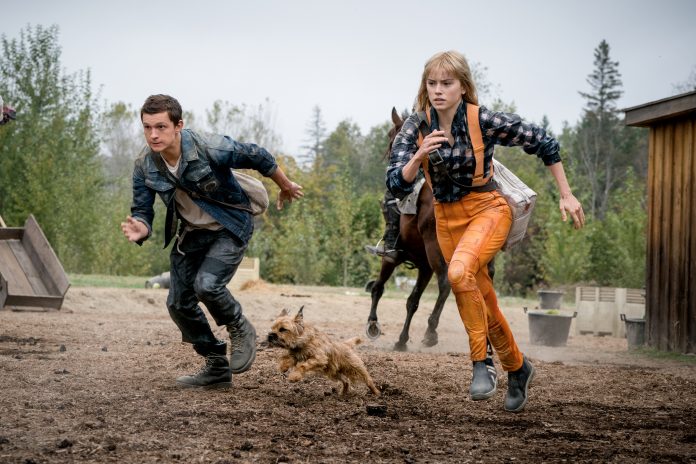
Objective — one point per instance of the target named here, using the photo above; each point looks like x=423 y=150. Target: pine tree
x=598 y=134
x=605 y=82
x=316 y=135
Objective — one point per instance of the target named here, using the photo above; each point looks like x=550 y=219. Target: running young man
x=191 y=174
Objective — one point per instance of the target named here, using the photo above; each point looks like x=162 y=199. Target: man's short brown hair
x=159 y=103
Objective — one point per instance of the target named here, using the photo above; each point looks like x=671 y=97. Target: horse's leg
x=376 y=289
x=444 y=289
x=424 y=275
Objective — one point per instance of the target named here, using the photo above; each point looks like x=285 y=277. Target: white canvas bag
x=521 y=199
x=258 y=196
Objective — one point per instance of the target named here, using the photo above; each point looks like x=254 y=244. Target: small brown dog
x=309 y=350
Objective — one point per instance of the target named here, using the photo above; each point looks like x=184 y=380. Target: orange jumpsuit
x=470 y=233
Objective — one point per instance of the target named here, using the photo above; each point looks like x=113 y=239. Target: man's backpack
x=255 y=190
x=519 y=196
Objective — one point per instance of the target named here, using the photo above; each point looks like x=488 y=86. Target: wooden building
x=670 y=306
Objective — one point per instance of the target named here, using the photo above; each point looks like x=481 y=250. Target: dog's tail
x=355 y=341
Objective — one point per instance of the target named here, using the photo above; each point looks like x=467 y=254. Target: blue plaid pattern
x=497 y=128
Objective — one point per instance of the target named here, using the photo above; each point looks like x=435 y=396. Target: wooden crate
x=31 y=276
x=249 y=269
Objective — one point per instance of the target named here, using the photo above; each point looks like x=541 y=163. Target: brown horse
x=417 y=238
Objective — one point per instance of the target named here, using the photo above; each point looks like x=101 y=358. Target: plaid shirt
x=496 y=127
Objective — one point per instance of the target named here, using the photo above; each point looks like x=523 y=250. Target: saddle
x=409 y=204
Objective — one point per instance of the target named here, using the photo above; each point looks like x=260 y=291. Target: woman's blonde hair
x=451 y=62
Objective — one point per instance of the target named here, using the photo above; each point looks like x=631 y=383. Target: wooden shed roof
x=648 y=114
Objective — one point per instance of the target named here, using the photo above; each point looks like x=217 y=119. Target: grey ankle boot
x=215 y=372
x=484 y=382
x=243 y=343
x=518 y=385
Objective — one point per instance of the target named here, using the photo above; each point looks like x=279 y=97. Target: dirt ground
x=94 y=382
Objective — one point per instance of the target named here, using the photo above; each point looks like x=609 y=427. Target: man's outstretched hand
x=293 y=192
x=133 y=229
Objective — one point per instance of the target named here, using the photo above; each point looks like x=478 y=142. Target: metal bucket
x=549 y=329
x=550 y=299
x=635 y=331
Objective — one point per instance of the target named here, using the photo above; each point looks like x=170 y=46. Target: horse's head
x=398 y=122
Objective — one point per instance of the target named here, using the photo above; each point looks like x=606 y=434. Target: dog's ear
x=299 y=317
x=284 y=312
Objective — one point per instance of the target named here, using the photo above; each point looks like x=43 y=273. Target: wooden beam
x=11 y=269
x=11 y=233
x=3 y=291
x=34 y=301
x=658 y=111
x=44 y=258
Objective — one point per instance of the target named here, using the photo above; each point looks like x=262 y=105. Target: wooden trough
x=31 y=276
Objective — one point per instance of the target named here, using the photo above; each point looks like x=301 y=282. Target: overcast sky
x=357 y=59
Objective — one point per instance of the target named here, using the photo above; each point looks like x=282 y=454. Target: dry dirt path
x=94 y=383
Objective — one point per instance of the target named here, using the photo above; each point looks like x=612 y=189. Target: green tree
x=49 y=163
x=289 y=242
x=374 y=159
x=564 y=259
x=604 y=147
x=341 y=149
x=253 y=124
x=121 y=141
x=316 y=134
x=292 y=248
x=617 y=245
x=518 y=271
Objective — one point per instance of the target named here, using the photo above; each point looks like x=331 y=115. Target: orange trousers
x=470 y=232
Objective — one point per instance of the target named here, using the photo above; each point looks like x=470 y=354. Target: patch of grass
x=666 y=355
x=97 y=280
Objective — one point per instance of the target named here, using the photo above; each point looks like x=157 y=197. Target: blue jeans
x=202 y=264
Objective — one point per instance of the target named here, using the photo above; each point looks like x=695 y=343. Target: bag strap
x=159 y=162
x=474 y=127
x=423 y=130
x=480 y=183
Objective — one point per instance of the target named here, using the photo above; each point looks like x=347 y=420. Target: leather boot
x=392 y=218
x=243 y=344
x=485 y=380
x=214 y=374
x=518 y=384
x=387 y=247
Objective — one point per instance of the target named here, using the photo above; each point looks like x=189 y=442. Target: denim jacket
x=206 y=160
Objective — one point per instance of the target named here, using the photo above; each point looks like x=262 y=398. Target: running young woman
x=473 y=219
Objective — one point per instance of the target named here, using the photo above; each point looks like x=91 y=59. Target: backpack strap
x=424 y=130
x=474 y=128
x=159 y=163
